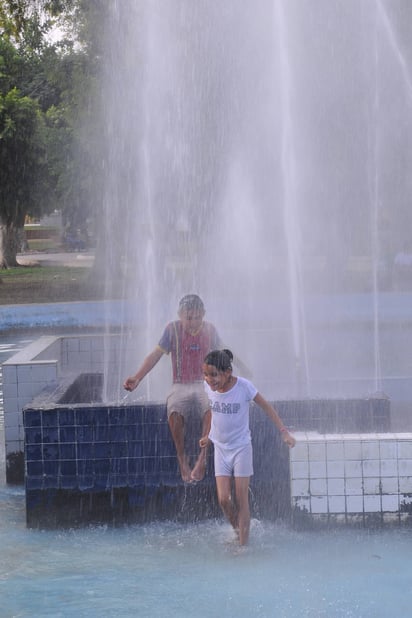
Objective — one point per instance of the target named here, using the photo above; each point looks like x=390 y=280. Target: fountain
x=265 y=168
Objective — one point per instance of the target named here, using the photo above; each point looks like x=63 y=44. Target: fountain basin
x=87 y=461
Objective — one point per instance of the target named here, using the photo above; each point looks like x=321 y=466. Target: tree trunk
x=8 y=246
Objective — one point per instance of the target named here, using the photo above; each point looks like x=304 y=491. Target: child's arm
x=270 y=411
x=204 y=440
x=149 y=362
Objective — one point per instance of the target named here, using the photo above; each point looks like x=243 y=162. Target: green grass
x=43 y=284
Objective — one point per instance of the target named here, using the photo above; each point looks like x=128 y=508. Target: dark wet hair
x=190 y=302
x=220 y=359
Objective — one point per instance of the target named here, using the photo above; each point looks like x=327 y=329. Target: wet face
x=192 y=320
x=219 y=381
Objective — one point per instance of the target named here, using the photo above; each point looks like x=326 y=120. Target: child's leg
x=242 y=501
x=199 y=469
x=176 y=424
x=224 y=495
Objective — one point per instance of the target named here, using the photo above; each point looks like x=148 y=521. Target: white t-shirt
x=230 y=414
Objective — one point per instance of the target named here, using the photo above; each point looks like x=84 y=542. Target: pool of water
x=168 y=569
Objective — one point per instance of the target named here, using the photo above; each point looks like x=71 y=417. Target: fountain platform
x=88 y=462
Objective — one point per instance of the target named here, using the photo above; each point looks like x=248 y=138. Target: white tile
x=372 y=504
x=10 y=390
x=336 y=504
x=24 y=373
x=405 y=484
x=300 y=487
x=301 y=503
x=389 y=467
x=353 y=468
x=319 y=504
x=352 y=449
x=390 y=485
x=317 y=469
x=318 y=487
x=354 y=486
x=9 y=374
x=388 y=449
x=299 y=452
x=371 y=467
x=390 y=503
x=371 y=485
x=334 y=451
x=299 y=470
x=335 y=469
x=405 y=467
x=336 y=487
x=405 y=449
x=354 y=504
x=370 y=449
x=317 y=451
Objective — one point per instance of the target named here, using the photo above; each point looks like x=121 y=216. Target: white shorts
x=237 y=461
x=186 y=399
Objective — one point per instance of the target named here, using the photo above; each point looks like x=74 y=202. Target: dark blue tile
x=87 y=416
x=135 y=449
x=168 y=465
x=52 y=468
x=118 y=465
x=152 y=465
x=117 y=416
x=50 y=451
x=33 y=482
x=136 y=466
x=69 y=482
x=85 y=482
x=85 y=467
x=33 y=452
x=34 y=468
x=66 y=417
x=33 y=436
x=68 y=451
x=84 y=434
x=102 y=466
x=32 y=418
x=101 y=482
x=102 y=450
x=50 y=482
x=68 y=468
x=50 y=418
x=118 y=480
x=67 y=434
x=102 y=433
x=85 y=450
x=119 y=449
x=50 y=434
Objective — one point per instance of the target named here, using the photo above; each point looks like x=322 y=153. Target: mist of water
x=258 y=154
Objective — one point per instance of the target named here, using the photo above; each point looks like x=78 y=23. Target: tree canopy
x=46 y=115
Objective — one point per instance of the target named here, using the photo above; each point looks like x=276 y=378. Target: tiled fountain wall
x=42 y=363
x=352 y=478
x=346 y=465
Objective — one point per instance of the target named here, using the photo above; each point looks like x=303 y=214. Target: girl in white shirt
x=229 y=398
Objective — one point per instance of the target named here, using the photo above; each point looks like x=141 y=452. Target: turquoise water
x=161 y=570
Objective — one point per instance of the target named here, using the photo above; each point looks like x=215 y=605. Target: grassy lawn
x=45 y=284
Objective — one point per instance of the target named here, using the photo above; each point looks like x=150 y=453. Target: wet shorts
x=186 y=399
x=236 y=461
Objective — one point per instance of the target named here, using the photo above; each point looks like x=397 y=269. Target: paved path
x=84 y=258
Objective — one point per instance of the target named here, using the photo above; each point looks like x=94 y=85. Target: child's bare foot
x=199 y=470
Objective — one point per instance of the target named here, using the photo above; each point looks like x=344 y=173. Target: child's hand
x=288 y=439
x=131 y=383
x=204 y=441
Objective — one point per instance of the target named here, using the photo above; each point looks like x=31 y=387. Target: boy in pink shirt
x=187 y=340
